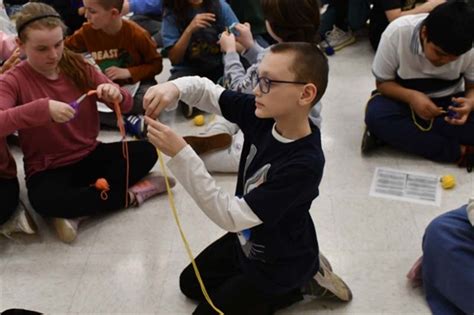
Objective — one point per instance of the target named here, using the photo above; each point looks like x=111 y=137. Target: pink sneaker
x=149 y=187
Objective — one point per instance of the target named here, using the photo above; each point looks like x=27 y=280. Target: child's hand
x=201 y=20
x=116 y=73
x=61 y=112
x=164 y=138
x=424 y=107
x=463 y=109
x=245 y=38
x=158 y=97
x=12 y=61
x=227 y=42
x=109 y=93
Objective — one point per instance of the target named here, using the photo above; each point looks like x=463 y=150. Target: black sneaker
x=369 y=142
x=467 y=160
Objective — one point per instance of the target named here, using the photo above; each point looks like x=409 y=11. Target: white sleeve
x=229 y=212
x=199 y=92
x=386 y=60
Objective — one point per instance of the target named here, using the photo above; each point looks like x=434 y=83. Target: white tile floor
x=129 y=262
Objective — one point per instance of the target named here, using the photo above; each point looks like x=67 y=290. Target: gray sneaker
x=66 y=229
x=338 y=39
x=20 y=222
x=326 y=284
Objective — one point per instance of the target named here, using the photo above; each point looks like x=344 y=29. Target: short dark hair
x=293 y=20
x=310 y=64
x=111 y=4
x=450 y=26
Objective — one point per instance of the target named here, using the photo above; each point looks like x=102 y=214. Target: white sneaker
x=66 y=229
x=20 y=222
x=338 y=39
x=227 y=160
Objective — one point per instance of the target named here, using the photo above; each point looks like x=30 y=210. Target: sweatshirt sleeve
x=13 y=117
x=76 y=42
x=229 y=212
x=152 y=61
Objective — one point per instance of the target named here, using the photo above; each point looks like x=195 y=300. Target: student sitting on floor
x=62 y=157
x=269 y=258
x=122 y=49
x=424 y=70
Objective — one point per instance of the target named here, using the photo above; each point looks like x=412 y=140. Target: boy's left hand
x=109 y=93
x=116 y=73
x=164 y=138
x=463 y=109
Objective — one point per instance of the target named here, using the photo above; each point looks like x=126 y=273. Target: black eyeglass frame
x=265 y=83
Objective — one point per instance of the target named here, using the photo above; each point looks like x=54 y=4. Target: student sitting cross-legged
x=424 y=70
x=269 y=257
x=62 y=158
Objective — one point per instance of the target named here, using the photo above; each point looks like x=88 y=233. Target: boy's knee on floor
x=188 y=283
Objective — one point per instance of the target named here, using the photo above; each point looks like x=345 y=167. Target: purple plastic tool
x=75 y=104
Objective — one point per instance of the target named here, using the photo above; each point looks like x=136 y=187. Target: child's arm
x=194 y=91
x=76 y=42
x=33 y=114
x=230 y=213
x=152 y=61
x=428 y=6
x=177 y=49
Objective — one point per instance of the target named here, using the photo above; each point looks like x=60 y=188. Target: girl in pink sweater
x=62 y=157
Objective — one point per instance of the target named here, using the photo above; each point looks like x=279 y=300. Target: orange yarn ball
x=102 y=184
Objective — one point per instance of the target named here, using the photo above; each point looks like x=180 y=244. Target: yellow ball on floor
x=448 y=181
x=199 y=120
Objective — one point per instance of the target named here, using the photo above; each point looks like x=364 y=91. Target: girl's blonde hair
x=36 y=15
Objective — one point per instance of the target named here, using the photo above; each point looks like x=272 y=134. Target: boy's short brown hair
x=111 y=4
x=309 y=64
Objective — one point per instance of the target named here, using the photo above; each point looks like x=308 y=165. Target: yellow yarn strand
x=183 y=237
x=413 y=117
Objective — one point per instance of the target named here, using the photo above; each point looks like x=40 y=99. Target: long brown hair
x=293 y=20
x=36 y=15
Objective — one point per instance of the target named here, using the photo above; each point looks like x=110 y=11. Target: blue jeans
x=391 y=121
x=356 y=17
x=448 y=264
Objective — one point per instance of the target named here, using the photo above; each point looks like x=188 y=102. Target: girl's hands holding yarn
x=109 y=93
x=60 y=112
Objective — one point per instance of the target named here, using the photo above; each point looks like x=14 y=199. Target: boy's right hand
x=201 y=20
x=158 y=97
x=61 y=112
x=227 y=42
x=424 y=107
x=245 y=38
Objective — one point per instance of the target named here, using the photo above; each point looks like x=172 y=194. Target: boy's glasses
x=265 y=83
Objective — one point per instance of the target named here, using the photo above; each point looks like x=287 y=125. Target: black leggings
x=9 y=194
x=66 y=192
x=229 y=288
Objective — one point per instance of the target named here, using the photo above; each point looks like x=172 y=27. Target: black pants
x=229 y=288
x=66 y=192
x=9 y=195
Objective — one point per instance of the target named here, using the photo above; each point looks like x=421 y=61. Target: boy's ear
x=116 y=12
x=309 y=94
